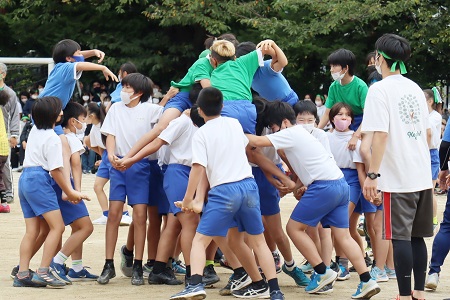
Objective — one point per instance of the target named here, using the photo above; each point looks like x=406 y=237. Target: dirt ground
x=12 y=228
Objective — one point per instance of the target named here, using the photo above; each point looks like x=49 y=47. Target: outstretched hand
x=110 y=75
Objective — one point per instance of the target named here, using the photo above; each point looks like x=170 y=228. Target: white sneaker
x=379 y=275
x=100 y=221
x=126 y=220
x=432 y=281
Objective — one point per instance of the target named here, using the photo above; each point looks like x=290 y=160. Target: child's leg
x=370 y=226
x=140 y=223
x=326 y=244
x=66 y=161
x=112 y=227
x=259 y=246
x=198 y=256
x=130 y=238
x=99 y=185
x=189 y=224
x=43 y=232
x=381 y=246
x=268 y=237
x=297 y=232
x=313 y=233
x=153 y=231
x=28 y=243
x=56 y=225
x=353 y=229
x=81 y=229
x=350 y=249
x=276 y=232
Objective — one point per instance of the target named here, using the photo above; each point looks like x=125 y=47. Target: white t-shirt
x=219 y=146
x=435 y=121
x=44 y=149
x=321 y=111
x=128 y=125
x=269 y=152
x=305 y=153
x=74 y=143
x=345 y=158
x=179 y=136
x=322 y=136
x=96 y=137
x=397 y=105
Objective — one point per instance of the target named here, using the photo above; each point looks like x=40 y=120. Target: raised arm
x=279 y=59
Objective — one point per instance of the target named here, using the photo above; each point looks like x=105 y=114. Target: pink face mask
x=342 y=125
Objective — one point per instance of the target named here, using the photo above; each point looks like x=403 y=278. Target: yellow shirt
x=4 y=143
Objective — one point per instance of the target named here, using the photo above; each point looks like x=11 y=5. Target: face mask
x=34 y=96
x=78 y=58
x=126 y=97
x=338 y=76
x=85 y=98
x=155 y=91
x=83 y=128
x=24 y=99
x=319 y=103
x=119 y=77
x=378 y=68
x=40 y=90
x=342 y=125
x=308 y=127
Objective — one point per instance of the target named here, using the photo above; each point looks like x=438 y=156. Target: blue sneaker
x=83 y=275
x=276 y=295
x=344 y=274
x=59 y=271
x=28 y=281
x=366 y=290
x=318 y=281
x=297 y=274
x=378 y=275
x=191 y=292
x=306 y=268
x=390 y=273
x=178 y=267
x=49 y=279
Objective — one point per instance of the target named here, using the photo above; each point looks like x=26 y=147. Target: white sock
x=290 y=265
x=77 y=265
x=60 y=258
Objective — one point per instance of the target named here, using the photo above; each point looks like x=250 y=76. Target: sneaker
x=378 y=275
x=4 y=208
x=82 y=275
x=48 y=279
x=297 y=274
x=306 y=268
x=100 y=221
x=328 y=289
x=366 y=290
x=147 y=269
x=165 y=277
x=178 y=267
x=14 y=272
x=108 y=273
x=210 y=276
x=126 y=263
x=432 y=281
x=9 y=199
x=239 y=283
x=276 y=295
x=252 y=291
x=334 y=266
x=369 y=251
x=226 y=290
x=59 y=270
x=318 y=281
x=137 y=278
x=191 y=292
x=277 y=260
x=28 y=281
x=360 y=228
x=368 y=261
x=390 y=273
x=224 y=263
x=125 y=220
x=344 y=274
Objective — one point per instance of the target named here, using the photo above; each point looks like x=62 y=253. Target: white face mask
x=83 y=128
x=319 y=103
x=126 y=97
x=40 y=90
x=308 y=127
x=85 y=98
x=337 y=76
x=34 y=96
x=378 y=68
x=119 y=77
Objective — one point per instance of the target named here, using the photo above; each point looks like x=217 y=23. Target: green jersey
x=201 y=69
x=353 y=94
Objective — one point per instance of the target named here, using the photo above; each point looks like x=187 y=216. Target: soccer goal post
x=29 y=60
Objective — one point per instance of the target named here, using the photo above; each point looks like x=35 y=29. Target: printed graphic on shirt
x=410 y=114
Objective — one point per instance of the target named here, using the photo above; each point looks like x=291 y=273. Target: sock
x=239 y=272
x=188 y=271
x=419 y=251
x=259 y=284
x=435 y=221
x=365 y=277
x=23 y=274
x=169 y=262
x=159 y=267
x=42 y=270
x=77 y=265
x=209 y=262
x=290 y=265
x=137 y=263
x=337 y=259
x=127 y=252
x=125 y=213
x=150 y=262
x=105 y=213
x=320 y=268
x=344 y=262
x=109 y=262
x=195 y=279
x=273 y=284
x=60 y=258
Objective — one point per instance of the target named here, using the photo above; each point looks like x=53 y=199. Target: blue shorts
x=434 y=153
x=238 y=201
x=180 y=101
x=357 y=120
x=176 y=179
x=356 y=196
x=58 y=130
x=70 y=212
x=242 y=110
x=36 y=194
x=292 y=98
x=324 y=201
x=133 y=183
x=105 y=166
x=157 y=195
x=268 y=194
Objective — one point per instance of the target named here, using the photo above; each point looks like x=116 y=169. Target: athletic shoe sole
x=323 y=284
x=369 y=294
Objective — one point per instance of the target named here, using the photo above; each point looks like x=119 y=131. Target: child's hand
x=377 y=200
x=298 y=193
x=172 y=92
x=113 y=160
x=265 y=45
x=352 y=143
x=99 y=54
x=75 y=197
x=108 y=74
x=124 y=163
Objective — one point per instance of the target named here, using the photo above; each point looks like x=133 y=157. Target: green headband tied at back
x=437 y=96
x=394 y=65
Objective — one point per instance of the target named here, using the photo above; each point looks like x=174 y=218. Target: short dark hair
x=277 y=111
x=261 y=108
x=73 y=110
x=195 y=117
x=209 y=41
x=308 y=107
x=24 y=93
x=4 y=98
x=128 y=67
x=194 y=92
x=140 y=84
x=45 y=112
x=210 y=100
x=337 y=108
x=98 y=109
x=64 y=49
x=245 y=48
x=343 y=58
x=228 y=37
x=396 y=47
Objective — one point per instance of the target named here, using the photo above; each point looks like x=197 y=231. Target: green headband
x=394 y=65
x=437 y=96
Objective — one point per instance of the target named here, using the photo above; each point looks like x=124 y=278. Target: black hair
x=343 y=58
x=245 y=48
x=98 y=109
x=396 y=47
x=194 y=92
x=24 y=93
x=72 y=110
x=369 y=57
x=210 y=100
x=209 y=41
x=261 y=108
x=308 y=107
x=229 y=37
x=195 y=117
x=64 y=49
x=140 y=84
x=4 y=98
x=45 y=112
x=128 y=67
x=277 y=111
x=335 y=109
